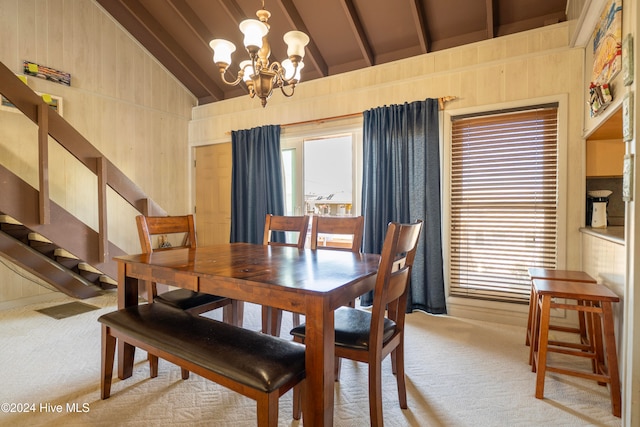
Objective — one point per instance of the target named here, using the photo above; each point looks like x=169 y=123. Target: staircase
x=42 y=237
x=63 y=253
x=51 y=263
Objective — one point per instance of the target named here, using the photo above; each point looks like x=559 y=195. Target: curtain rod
x=441 y=104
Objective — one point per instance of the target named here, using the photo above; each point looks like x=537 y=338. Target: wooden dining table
x=310 y=282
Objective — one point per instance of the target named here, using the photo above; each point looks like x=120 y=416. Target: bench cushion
x=260 y=361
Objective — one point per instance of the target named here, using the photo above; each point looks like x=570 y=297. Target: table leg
x=535 y=327
x=532 y=301
x=127 y=296
x=271 y=320
x=540 y=358
x=317 y=406
x=612 y=357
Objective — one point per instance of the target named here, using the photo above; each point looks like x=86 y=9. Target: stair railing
x=50 y=123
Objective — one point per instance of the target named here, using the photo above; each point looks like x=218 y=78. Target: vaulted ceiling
x=345 y=35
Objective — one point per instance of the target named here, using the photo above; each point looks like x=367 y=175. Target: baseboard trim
x=488 y=311
x=500 y=312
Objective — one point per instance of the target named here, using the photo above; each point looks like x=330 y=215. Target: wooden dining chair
x=298 y=225
x=324 y=230
x=286 y=224
x=184 y=299
x=338 y=234
x=370 y=336
x=193 y=302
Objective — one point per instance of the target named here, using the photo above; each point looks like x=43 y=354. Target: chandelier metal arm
x=288 y=95
x=281 y=74
x=233 y=83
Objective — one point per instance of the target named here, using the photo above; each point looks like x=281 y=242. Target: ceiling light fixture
x=260 y=76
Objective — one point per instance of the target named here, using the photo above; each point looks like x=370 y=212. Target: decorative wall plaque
x=627 y=60
x=43 y=72
x=627 y=117
x=627 y=178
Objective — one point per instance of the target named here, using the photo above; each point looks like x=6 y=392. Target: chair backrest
x=396 y=260
x=343 y=226
x=275 y=223
x=149 y=226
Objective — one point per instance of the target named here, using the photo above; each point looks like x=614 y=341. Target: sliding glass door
x=322 y=173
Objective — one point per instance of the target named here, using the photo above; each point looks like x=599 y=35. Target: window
x=322 y=172
x=328 y=175
x=289 y=177
x=503 y=201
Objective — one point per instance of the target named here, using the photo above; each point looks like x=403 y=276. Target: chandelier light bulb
x=247 y=69
x=222 y=50
x=296 y=41
x=253 y=31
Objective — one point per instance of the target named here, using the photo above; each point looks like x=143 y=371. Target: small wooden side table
x=598 y=301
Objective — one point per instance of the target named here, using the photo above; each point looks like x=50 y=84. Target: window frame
x=292 y=138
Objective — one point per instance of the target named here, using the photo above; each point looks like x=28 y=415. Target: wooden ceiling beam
x=313 y=53
x=421 y=25
x=491 y=13
x=191 y=20
x=358 y=31
x=153 y=30
x=233 y=10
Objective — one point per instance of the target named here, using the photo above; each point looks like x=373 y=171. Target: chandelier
x=261 y=76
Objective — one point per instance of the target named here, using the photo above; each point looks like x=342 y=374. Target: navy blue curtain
x=401 y=182
x=256 y=181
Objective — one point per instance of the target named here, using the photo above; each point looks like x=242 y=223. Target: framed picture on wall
x=607 y=40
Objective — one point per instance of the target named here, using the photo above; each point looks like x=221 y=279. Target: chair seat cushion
x=185 y=299
x=260 y=361
x=352 y=328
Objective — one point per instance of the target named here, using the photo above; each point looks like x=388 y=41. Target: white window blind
x=503 y=202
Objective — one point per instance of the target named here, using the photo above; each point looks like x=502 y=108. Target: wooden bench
x=256 y=365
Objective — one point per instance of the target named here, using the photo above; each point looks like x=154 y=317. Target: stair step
x=39 y=238
x=107 y=282
x=66 y=258
x=89 y=272
x=42 y=244
x=64 y=254
x=14 y=228
x=89 y=268
x=9 y=220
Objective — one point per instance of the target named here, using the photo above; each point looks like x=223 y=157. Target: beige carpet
x=459 y=373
